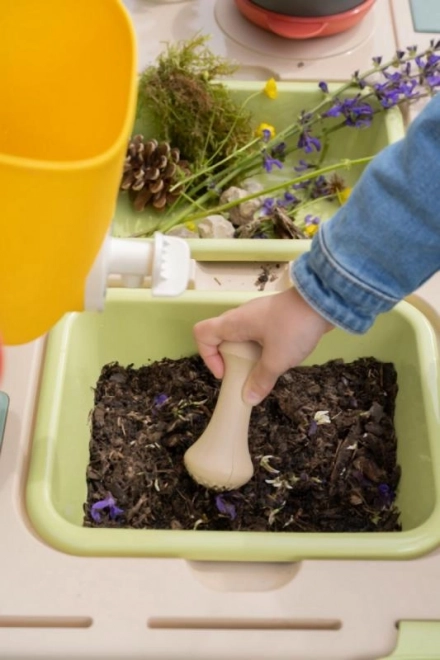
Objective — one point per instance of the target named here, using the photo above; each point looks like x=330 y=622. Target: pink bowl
x=292 y=27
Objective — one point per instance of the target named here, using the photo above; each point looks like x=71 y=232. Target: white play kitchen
x=88 y=592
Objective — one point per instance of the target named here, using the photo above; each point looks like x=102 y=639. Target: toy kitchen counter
x=77 y=606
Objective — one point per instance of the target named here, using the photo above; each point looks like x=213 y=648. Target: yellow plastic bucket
x=68 y=95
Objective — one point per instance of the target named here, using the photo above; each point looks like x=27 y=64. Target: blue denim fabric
x=385 y=241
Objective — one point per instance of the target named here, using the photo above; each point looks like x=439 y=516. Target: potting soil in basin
x=323 y=446
x=137 y=329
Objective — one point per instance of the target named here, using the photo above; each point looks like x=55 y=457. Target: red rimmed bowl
x=303 y=27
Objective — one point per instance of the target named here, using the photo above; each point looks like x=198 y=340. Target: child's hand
x=284 y=324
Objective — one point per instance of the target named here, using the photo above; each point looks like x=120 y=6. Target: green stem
x=221 y=208
x=200 y=173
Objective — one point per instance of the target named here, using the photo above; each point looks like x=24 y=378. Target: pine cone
x=150 y=170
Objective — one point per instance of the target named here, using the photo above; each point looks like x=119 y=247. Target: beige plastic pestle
x=220 y=458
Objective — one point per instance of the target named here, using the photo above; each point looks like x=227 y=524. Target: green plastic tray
x=135 y=328
x=417 y=640
x=293 y=97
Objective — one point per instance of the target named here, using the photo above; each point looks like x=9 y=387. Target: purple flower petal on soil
x=312 y=428
x=386 y=493
x=110 y=504
x=115 y=511
x=159 y=400
x=225 y=507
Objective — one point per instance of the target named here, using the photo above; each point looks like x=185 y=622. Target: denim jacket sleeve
x=385 y=241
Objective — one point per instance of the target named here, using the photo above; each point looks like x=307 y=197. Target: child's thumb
x=259 y=384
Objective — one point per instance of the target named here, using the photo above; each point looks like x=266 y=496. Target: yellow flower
x=264 y=129
x=270 y=89
x=190 y=225
x=343 y=195
x=310 y=230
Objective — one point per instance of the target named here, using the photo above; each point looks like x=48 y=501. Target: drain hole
x=45 y=621
x=201 y=623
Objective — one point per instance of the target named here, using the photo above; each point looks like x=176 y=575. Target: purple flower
x=266 y=134
x=110 y=504
x=289 y=198
x=225 y=507
x=356 y=111
x=312 y=428
x=279 y=149
x=268 y=205
x=396 y=76
x=302 y=166
x=394 y=90
x=377 y=60
x=159 y=400
x=308 y=142
x=302 y=185
x=311 y=220
x=433 y=59
x=361 y=83
x=320 y=188
x=323 y=87
x=387 y=495
x=269 y=163
x=433 y=81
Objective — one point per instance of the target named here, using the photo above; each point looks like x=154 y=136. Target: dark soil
x=267 y=274
x=309 y=476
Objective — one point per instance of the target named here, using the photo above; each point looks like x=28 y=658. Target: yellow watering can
x=67 y=100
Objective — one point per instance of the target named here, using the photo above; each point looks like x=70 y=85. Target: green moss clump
x=194 y=111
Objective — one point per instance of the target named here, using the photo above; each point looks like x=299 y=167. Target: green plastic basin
x=293 y=97
x=135 y=328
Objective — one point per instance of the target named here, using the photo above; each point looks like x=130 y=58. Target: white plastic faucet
x=166 y=259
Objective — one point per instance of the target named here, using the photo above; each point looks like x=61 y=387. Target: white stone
x=182 y=232
x=232 y=194
x=216 y=226
x=244 y=212
x=253 y=186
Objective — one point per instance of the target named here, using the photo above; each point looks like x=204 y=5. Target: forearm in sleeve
x=385 y=241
